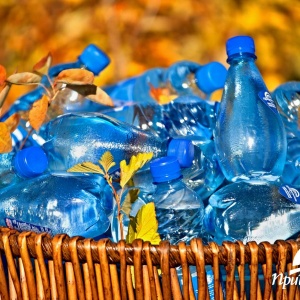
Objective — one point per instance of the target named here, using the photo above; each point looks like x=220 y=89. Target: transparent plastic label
x=266 y=98
x=290 y=193
x=24 y=226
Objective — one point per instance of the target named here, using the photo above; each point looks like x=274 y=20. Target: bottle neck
x=170 y=184
x=238 y=57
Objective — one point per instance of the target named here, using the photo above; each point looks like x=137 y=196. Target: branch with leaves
x=137 y=225
x=79 y=80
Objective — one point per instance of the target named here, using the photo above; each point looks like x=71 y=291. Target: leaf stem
x=118 y=201
x=26 y=138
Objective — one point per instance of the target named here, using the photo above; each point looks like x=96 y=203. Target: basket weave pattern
x=36 y=266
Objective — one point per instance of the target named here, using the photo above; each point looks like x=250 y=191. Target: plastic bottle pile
x=221 y=170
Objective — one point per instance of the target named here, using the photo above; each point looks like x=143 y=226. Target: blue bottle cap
x=183 y=150
x=94 y=59
x=240 y=44
x=164 y=169
x=211 y=77
x=30 y=162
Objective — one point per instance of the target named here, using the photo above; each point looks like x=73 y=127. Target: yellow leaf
x=130 y=198
x=136 y=163
x=12 y=122
x=5 y=138
x=75 y=76
x=107 y=161
x=86 y=167
x=144 y=226
x=38 y=112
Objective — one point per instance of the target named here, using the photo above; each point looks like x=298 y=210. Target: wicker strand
x=197 y=248
x=138 y=269
x=91 y=270
x=76 y=267
x=185 y=270
x=146 y=247
x=70 y=281
x=42 y=265
x=121 y=249
x=58 y=266
x=267 y=271
x=105 y=272
x=15 y=282
x=282 y=249
x=165 y=268
x=293 y=287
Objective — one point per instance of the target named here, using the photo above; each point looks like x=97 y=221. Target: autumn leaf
x=86 y=167
x=38 y=112
x=24 y=78
x=43 y=65
x=144 y=225
x=3 y=94
x=161 y=95
x=2 y=75
x=5 y=138
x=75 y=76
x=12 y=122
x=107 y=161
x=101 y=97
x=136 y=162
x=130 y=198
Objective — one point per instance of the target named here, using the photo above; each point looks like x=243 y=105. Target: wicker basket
x=36 y=266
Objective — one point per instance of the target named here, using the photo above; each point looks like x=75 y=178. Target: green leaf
x=130 y=198
x=136 y=163
x=144 y=226
x=107 y=161
x=86 y=167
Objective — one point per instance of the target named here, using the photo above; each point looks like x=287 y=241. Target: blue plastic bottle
x=205 y=175
x=249 y=134
x=181 y=78
x=146 y=116
x=24 y=164
x=287 y=97
x=184 y=116
x=74 y=205
x=291 y=171
x=179 y=210
x=177 y=78
x=253 y=211
x=189 y=78
x=92 y=59
x=77 y=138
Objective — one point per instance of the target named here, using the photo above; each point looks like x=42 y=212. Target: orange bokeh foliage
x=141 y=34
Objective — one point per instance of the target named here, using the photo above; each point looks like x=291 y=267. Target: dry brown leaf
x=5 y=138
x=2 y=75
x=43 y=65
x=24 y=78
x=12 y=122
x=101 y=97
x=75 y=76
x=38 y=112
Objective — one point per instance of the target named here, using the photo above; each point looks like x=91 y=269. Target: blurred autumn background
x=142 y=34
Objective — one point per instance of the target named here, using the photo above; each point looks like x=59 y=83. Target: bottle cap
x=94 y=59
x=240 y=44
x=183 y=150
x=211 y=77
x=165 y=168
x=30 y=162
